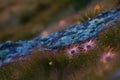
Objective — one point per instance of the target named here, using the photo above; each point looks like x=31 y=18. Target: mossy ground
x=49 y=66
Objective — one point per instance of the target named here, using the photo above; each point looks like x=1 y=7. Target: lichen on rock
x=73 y=34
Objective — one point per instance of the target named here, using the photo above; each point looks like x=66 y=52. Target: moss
x=5 y=37
x=38 y=67
x=87 y=16
x=111 y=36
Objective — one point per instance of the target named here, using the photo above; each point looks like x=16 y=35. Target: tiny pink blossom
x=107 y=57
x=72 y=50
x=88 y=45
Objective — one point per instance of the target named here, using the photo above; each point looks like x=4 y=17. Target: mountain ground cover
x=49 y=66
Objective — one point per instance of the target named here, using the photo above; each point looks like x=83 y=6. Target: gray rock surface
x=73 y=34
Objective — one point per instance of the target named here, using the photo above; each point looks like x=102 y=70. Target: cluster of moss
x=110 y=37
x=49 y=66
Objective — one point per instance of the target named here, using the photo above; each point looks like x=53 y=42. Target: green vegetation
x=111 y=37
x=49 y=66
x=87 y=16
x=31 y=13
x=38 y=68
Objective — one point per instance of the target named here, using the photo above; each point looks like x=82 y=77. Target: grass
x=85 y=66
x=38 y=68
x=111 y=36
x=49 y=66
x=96 y=8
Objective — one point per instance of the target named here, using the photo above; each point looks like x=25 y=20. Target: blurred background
x=26 y=19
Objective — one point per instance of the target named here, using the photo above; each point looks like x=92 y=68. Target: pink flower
x=107 y=57
x=88 y=45
x=72 y=50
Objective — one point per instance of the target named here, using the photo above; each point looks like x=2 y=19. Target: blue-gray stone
x=72 y=34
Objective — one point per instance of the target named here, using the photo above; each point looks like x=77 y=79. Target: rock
x=73 y=34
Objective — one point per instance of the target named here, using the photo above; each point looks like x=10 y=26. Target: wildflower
x=73 y=50
x=88 y=45
x=107 y=57
x=50 y=63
